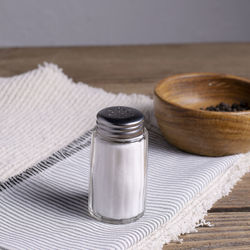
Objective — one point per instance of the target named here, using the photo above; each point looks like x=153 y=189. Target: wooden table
x=136 y=69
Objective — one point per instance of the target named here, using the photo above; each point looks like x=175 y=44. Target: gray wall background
x=109 y=22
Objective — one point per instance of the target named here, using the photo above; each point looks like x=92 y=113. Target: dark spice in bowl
x=223 y=107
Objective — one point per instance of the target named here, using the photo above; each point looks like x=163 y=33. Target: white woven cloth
x=43 y=111
x=45 y=207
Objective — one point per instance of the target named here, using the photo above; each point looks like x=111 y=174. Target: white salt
x=119 y=175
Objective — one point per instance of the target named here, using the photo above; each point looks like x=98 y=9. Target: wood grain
x=177 y=103
x=136 y=69
x=238 y=200
x=230 y=231
x=131 y=69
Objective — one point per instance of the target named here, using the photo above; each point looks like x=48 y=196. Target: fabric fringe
x=60 y=155
x=193 y=215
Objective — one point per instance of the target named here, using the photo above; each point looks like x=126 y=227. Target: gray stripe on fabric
x=49 y=210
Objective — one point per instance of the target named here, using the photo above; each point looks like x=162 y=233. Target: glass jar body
x=118 y=176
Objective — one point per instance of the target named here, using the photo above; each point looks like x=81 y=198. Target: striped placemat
x=45 y=206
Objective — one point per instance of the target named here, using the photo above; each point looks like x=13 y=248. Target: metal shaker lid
x=120 y=122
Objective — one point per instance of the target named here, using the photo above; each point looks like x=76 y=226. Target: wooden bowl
x=177 y=103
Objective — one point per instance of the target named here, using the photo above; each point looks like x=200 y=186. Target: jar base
x=114 y=221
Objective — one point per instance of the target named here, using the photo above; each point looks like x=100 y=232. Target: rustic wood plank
x=140 y=67
x=230 y=231
x=136 y=69
x=237 y=200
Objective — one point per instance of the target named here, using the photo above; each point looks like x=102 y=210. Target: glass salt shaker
x=118 y=172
